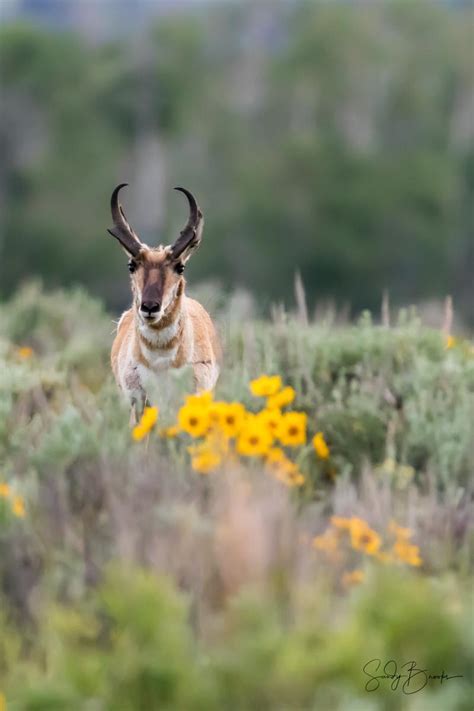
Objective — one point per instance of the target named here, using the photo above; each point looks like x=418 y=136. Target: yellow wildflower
x=270 y=419
x=194 y=419
x=4 y=491
x=363 y=538
x=320 y=446
x=274 y=456
x=18 y=506
x=3 y=702
x=25 y=352
x=450 y=342
x=202 y=399
x=407 y=553
x=355 y=577
x=290 y=476
x=231 y=418
x=283 y=468
x=254 y=440
x=281 y=399
x=206 y=462
x=265 y=386
x=206 y=456
x=327 y=541
x=170 y=432
x=341 y=522
x=292 y=429
x=150 y=416
x=215 y=410
x=398 y=531
x=147 y=422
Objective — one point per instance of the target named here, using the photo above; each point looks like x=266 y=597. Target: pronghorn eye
x=132 y=265
x=179 y=268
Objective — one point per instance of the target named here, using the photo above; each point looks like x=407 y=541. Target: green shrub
x=134 y=583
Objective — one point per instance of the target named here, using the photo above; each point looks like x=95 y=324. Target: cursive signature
x=409 y=679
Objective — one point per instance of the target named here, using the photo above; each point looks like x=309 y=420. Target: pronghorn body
x=164 y=328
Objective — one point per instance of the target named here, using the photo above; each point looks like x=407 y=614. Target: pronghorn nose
x=150 y=307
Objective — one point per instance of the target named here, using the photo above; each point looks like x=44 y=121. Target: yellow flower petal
x=292 y=429
x=254 y=440
x=18 y=506
x=398 y=531
x=170 y=432
x=205 y=456
x=281 y=399
x=25 y=352
x=265 y=386
x=270 y=419
x=407 y=553
x=363 y=538
x=327 y=541
x=202 y=399
x=194 y=419
x=147 y=422
x=231 y=418
x=275 y=455
x=205 y=462
x=320 y=446
x=341 y=522
x=4 y=491
x=139 y=432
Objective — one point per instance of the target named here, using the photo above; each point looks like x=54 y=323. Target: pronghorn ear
x=190 y=236
x=191 y=247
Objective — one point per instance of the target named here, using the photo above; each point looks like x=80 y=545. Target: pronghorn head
x=156 y=273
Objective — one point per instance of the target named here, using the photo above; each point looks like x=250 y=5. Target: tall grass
x=134 y=582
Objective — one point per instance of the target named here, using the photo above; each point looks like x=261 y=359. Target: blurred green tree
x=333 y=139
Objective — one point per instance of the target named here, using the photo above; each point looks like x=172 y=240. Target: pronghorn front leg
x=136 y=396
x=205 y=375
x=137 y=406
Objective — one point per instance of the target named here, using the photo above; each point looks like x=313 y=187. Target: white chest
x=158 y=360
x=155 y=346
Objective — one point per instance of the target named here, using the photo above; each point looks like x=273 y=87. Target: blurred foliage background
x=331 y=138
x=130 y=582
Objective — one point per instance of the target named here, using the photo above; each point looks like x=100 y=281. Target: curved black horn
x=193 y=206
x=190 y=235
x=121 y=229
x=117 y=213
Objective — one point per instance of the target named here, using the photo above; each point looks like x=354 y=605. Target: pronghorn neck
x=161 y=340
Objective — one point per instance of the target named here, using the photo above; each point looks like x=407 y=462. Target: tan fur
x=183 y=333
x=164 y=329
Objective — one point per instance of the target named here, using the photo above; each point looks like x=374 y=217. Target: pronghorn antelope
x=164 y=328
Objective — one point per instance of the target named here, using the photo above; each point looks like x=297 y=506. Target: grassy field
x=255 y=568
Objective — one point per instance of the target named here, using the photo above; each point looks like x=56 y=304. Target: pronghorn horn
x=121 y=229
x=190 y=235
